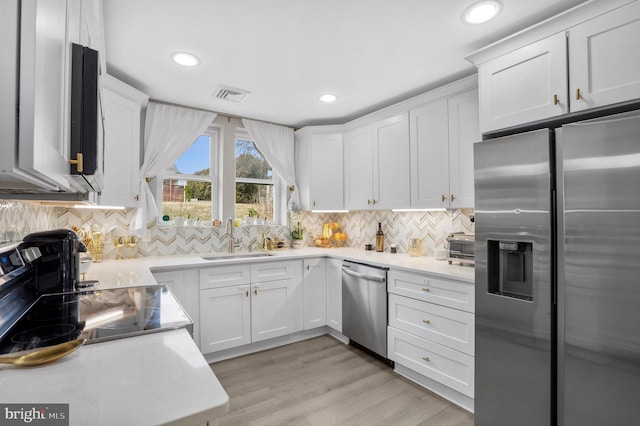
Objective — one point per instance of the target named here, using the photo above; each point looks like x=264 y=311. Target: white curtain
x=276 y=144
x=168 y=132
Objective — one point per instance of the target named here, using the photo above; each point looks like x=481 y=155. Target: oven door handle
x=364 y=276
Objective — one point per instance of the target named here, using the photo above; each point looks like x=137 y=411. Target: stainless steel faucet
x=233 y=242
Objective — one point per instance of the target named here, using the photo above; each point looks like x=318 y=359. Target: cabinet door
x=358 y=169
x=522 y=86
x=464 y=131
x=122 y=112
x=225 y=318
x=276 y=309
x=391 y=184
x=45 y=62
x=604 y=59
x=430 y=156
x=184 y=286
x=334 y=294
x=315 y=293
x=327 y=183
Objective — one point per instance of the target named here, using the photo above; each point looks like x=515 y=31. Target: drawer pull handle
x=555 y=100
x=444 y=198
x=426 y=289
x=578 y=94
x=426 y=358
x=426 y=321
x=255 y=291
x=246 y=293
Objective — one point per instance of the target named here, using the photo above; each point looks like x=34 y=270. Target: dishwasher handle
x=364 y=276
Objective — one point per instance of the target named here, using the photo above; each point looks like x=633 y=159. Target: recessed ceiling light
x=483 y=11
x=185 y=59
x=327 y=98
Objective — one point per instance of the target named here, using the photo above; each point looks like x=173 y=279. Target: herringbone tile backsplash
x=19 y=218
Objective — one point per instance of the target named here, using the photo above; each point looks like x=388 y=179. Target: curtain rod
x=218 y=114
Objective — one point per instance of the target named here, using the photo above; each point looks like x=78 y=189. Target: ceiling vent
x=230 y=94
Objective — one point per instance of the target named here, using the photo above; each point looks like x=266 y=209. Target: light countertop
x=134 y=272
x=158 y=378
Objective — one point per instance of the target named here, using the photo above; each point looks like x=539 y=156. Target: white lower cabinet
x=315 y=293
x=431 y=332
x=184 y=286
x=334 y=294
x=242 y=304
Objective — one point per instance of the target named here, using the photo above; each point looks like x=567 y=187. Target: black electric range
x=96 y=316
x=34 y=315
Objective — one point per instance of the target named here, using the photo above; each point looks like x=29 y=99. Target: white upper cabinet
x=376 y=157
x=526 y=85
x=48 y=27
x=442 y=136
x=586 y=58
x=319 y=167
x=391 y=177
x=123 y=106
x=604 y=59
x=358 y=169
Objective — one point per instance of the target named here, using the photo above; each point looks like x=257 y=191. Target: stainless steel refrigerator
x=558 y=275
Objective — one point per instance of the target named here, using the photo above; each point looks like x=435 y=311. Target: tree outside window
x=254 y=182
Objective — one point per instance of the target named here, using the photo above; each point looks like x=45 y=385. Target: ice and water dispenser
x=510 y=268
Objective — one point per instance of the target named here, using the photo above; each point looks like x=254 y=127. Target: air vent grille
x=230 y=94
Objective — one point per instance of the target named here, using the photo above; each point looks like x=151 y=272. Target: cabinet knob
x=426 y=321
x=578 y=95
x=453 y=198
x=556 y=101
x=426 y=358
x=444 y=198
x=79 y=162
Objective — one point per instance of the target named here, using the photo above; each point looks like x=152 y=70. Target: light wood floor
x=321 y=381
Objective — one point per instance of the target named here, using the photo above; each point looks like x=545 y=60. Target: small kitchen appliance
x=461 y=248
x=40 y=305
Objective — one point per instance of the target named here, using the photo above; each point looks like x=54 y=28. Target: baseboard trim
x=274 y=343
x=445 y=392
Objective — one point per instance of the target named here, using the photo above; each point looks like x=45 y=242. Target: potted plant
x=253 y=214
x=297 y=235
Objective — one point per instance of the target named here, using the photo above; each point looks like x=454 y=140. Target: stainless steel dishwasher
x=364 y=306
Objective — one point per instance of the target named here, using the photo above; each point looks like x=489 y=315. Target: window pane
x=186 y=198
x=249 y=161
x=256 y=196
x=196 y=160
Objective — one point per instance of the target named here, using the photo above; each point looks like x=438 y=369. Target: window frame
x=275 y=181
x=214 y=133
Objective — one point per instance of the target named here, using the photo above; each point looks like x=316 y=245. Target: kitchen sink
x=220 y=257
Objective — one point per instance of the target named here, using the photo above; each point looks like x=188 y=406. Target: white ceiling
x=369 y=53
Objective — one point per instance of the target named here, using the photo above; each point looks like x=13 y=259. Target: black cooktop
x=95 y=315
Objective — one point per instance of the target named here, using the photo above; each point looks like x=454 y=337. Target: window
x=255 y=189
x=190 y=185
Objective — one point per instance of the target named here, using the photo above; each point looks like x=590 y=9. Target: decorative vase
x=297 y=244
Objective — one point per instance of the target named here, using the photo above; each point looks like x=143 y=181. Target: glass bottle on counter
x=379 y=238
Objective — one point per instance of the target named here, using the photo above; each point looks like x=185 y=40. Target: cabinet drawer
x=453 y=294
x=272 y=271
x=447 y=366
x=223 y=276
x=446 y=326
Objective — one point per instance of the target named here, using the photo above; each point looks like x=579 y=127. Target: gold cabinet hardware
x=426 y=321
x=444 y=198
x=426 y=358
x=453 y=198
x=308 y=268
x=246 y=293
x=368 y=202
x=578 y=95
x=375 y=202
x=314 y=204
x=137 y=197
x=555 y=100
x=255 y=291
x=426 y=289
x=79 y=162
